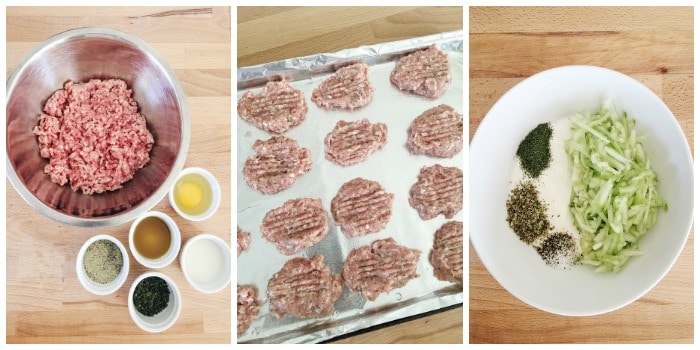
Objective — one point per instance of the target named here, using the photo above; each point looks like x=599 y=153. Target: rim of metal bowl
x=160 y=193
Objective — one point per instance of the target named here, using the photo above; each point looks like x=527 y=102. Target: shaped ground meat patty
x=276 y=164
x=243 y=240
x=352 y=142
x=437 y=132
x=446 y=256
x=361 y=207
x=304 y=288
x=248 y=307
x=438 y=191
x=277 y=108
x=296 y=225
x=424 y=72
x=349 y=88
x=379 y=267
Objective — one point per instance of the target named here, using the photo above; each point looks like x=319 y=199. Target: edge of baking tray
x=309 y=66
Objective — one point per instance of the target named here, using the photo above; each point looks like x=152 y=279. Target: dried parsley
x=534 y=152
x=103 y=261
x=558 y=249
x=151 y=296
x=527 y=213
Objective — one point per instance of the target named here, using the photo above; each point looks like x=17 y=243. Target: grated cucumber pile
x=614 y=199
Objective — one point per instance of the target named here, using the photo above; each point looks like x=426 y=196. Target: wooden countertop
x=268 y=34
x=45 y=301
x=653 y=45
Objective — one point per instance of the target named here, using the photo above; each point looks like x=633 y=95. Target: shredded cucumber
x=614 y=199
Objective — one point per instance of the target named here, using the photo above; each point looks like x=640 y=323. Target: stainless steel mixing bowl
x=79 y=55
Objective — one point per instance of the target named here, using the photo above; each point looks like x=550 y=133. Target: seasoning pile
x=527 y=212
x=103 y=261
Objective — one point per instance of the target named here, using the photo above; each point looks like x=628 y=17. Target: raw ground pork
x=352 y=142
x=424 y=72
x=248 y=306
x=349 y=88
x=437 y=132
x=296 y=225
x=93 y=135
x=277 y=108
x=446 y=256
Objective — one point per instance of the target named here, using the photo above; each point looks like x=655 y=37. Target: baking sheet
x=392 y=166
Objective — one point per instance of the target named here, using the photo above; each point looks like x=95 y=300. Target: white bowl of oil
x=196 y=194
x=154 y=239
x=206 y=263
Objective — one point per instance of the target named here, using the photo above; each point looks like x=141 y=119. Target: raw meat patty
x=425 y=72
x=243 y=240
x=277 y=162
x=296 y=225
x=437 y=132
x=380 y=267
x=349 y=88
x=277 y=108
x=446 y=256
x=248 y=306
x=438 y=191
x=304 y=288
x=93 y=135
x=352 y=142
x=361 y=207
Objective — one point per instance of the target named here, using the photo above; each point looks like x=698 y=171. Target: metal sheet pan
x=392 y=166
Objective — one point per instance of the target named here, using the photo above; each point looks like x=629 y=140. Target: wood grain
x=45 y=301
x=268 y=34
x=654 y=46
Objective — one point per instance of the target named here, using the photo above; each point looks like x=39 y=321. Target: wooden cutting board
x=653 y=45
x=45 y=301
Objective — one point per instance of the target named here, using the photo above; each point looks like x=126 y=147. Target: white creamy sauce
x=554 y=184
x=205 y=261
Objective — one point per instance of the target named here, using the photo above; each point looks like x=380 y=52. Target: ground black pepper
x=151 y=296
x=557 y=249
x=527 y=213
x=103 y=261
x=534 y=151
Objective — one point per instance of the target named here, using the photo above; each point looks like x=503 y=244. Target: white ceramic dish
x=175 y=242
x=548 y=96
x=165 y=318
x=215 y=188
x=209 y=284
x=99 y=288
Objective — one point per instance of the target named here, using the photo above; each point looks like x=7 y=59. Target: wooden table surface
x=654 y=46
x=268 y=34
x=45 y=301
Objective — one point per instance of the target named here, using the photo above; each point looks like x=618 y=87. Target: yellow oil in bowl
x=192 y=194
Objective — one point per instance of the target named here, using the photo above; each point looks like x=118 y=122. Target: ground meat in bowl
x=93 y=135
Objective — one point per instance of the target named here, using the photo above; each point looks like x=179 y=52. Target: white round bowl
x=548 y=96
x=175 y=242
x=165 y=318
x=217 y=283
x=215 y=188
x=99 y=288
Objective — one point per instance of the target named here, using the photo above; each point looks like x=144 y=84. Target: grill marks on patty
x=424 y=72
x=296 y=225
x=361 y=207
x=438 y=191
x=276 y=164
x=352 y=142
x=304 y=288
x=446 y=256
x=379 y=267
x=277 y=108
x=349 y=88
x=437 y=132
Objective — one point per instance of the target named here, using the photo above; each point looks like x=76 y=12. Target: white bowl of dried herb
x=102 y=265
x=154 y=302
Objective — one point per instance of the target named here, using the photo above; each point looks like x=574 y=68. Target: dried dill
x=558 y=249
x=527 y=214
x=151 y=296
x=534 y=151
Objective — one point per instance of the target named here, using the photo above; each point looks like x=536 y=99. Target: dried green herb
x=103 y=261
x=534 y=151
x=527 y=214
x=151 y=296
